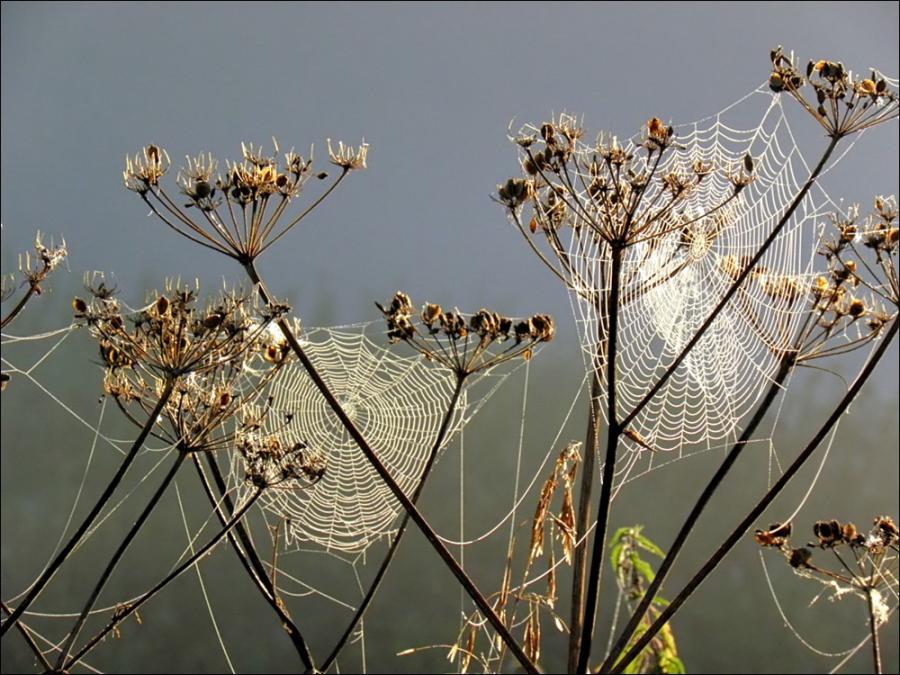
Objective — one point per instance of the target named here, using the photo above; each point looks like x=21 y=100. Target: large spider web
x=397 y=402
x=672 y=283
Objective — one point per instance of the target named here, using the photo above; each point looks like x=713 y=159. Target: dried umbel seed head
x=171 y=336
x=515 y=192
x=271 y=462
x=887 y=530
x=851 y=535
x=454 y=325
x=856 y=308
x=658 y=135
x=800 y=557
x=145 y=169
x=777 y=535
x=839 y=103
x=544 y=328
x=431 y=314
x=462 y=343
x=347 y=158
x=829 y=532
x=485 y=324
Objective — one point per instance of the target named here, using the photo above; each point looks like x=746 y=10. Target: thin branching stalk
x=61 y=557
x=762 y=505
x=376 y=582
x=249 y=558
x=579 y=560
x=32 y=645
x=787 y=363
x=169 y=578
x=117 y=556
x=420 y=521
x=736 y=285
x=609 y=465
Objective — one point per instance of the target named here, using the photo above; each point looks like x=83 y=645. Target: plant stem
x=736 y=285
x=26 y=635
x=775 y=387
x=873 y=627
x=376 y=582
x=609 y=465
x=250 y=559
x=761 y=506
x=420 y=521
x=15 y=311
x=117 y=556
x=579 y=560
x=178 y=571
x=61 y=557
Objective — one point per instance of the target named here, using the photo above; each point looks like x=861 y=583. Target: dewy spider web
x=397 y=402
x=672 y=282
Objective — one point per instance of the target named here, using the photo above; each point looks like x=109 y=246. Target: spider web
x=397 y=403
x=671 y=284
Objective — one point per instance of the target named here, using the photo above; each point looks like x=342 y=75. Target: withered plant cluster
x=196 y=377
x=463 y=343
x=870 y=571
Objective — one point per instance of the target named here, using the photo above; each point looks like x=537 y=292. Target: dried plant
x=33 y=271
x=871 y=574
x=463 y=343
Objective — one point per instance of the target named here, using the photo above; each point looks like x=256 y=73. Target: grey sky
x=432 y=88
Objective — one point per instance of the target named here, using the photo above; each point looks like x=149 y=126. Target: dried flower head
x=242 y=211
x=173 y=336
x=347 y=158
x=213 y=358
x=464 y=344
x=840 y=103
x=270 y=462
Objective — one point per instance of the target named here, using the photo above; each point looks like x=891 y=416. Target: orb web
x=672 y=282
x=397 y=403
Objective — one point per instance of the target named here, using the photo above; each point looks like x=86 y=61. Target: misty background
x=432 y=88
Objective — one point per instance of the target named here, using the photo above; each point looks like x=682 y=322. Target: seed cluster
x=218 y=360
x=241 y=211
x=270 y=462
x=860 y=289
x=831 y=535
x=617 y=191
x=463 y=342
x=840 y=103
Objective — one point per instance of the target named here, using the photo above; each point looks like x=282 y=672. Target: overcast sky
x=431 y=87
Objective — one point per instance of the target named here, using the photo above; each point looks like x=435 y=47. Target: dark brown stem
x=376 y=582
x=613 y=431
x=420 y=521
x=734 y=286
x=26 y=635
x=117 y=556
x=249 y=558
x=579 y=559
x=689 y=523
x=132 y=607
x=61 y=557
x=15 y=311
x=761 y=506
